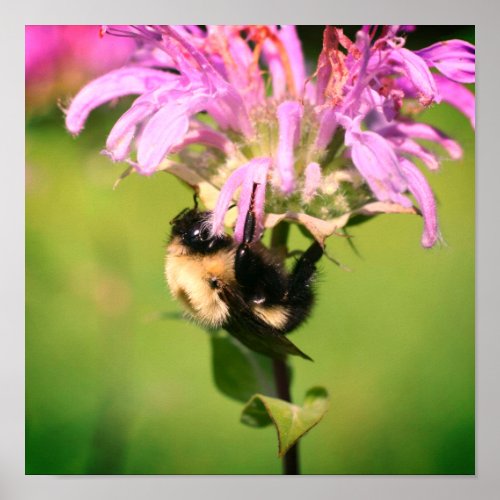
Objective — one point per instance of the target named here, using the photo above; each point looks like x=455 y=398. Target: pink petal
x=241 y=73
x=118 y=83
x=312 y=181
x=226 y=196
x=230 y=103
x=164 y=129
x=124 y=130
x=289 y=117
x=419 y=187
x=167 y=127
x=456 y=59
x=427 y=132
x=458 y=96
x=200 y=134
x=376 y=161
x=273 y=60
x=327 y=127
x=256 y=174
x=415 y=68
x=410 y=147
x=291 y=41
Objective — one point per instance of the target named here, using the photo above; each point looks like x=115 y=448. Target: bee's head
x=192 y=228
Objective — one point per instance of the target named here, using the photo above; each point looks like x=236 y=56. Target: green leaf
x=239 y=372
x=291 y=421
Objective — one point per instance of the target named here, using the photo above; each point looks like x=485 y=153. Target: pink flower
x=59 y=59
x=296 y=143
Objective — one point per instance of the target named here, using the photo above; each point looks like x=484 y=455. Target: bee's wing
x=254 y=333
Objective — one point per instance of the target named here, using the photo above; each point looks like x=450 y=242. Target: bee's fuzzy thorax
x=191 y=277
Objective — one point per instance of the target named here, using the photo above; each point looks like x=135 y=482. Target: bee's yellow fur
x=189 y=280
x=276 y=316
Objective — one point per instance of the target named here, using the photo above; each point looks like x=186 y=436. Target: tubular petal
x=312 y=181
x=288 y=35
x=327 y=127
x=124 y=130
x=289 y=117
x=418 y=186
x=118 y=83
x=166 y=127
x=226 y=196
x=456 y=59
x=410 y=147
x=375 y=159
x=458 y=96
x=207 y=136
x=415 y=68
x=256 y=174
x=427 y=132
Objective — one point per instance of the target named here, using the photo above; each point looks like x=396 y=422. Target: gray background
x=13 y=483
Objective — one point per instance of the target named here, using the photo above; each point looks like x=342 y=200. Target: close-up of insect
x=243 y=288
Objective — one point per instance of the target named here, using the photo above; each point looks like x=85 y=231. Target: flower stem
x=279 y=238
x=282 y=379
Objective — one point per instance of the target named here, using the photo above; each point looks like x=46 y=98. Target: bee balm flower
x=319 y=148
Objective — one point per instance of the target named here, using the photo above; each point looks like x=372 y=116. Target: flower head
x=231 y=107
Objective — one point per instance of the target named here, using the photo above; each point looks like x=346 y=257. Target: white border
x=13 y=483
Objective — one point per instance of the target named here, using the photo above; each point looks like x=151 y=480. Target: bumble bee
x=241 y=288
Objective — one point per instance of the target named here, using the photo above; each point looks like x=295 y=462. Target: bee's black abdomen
x=255 y=333
x=267 y=294
x=259 y=278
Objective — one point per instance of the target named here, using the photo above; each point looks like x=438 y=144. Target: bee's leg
x=305 y=267
x=246 y=263
x=260 y=281
x=249 y=229
x=300 y=294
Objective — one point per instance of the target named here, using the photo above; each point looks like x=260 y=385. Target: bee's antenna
x=195 y=199
x=179 y=216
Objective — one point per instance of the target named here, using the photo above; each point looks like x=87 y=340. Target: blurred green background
x=118 y=383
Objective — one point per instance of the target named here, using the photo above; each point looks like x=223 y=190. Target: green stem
x=282 y=380
x=279 y=239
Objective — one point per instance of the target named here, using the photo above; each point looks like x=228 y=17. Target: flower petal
x=289 y=117
x=124 y=130
x=274 y=63
x=458 y=96
x=312 y=181
x=226 y=196
x=419 y=187
x=124 y=81
x=410 y=147
x=164 y=129
x=456 y=59
x=199 y=134
x=327 y=127
x=376 y=161
x=429 y=133
x=415 y=68
x=230 y=105
x=167 y=127
x=240 y=68
x=291 y=41
x=256 y=174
